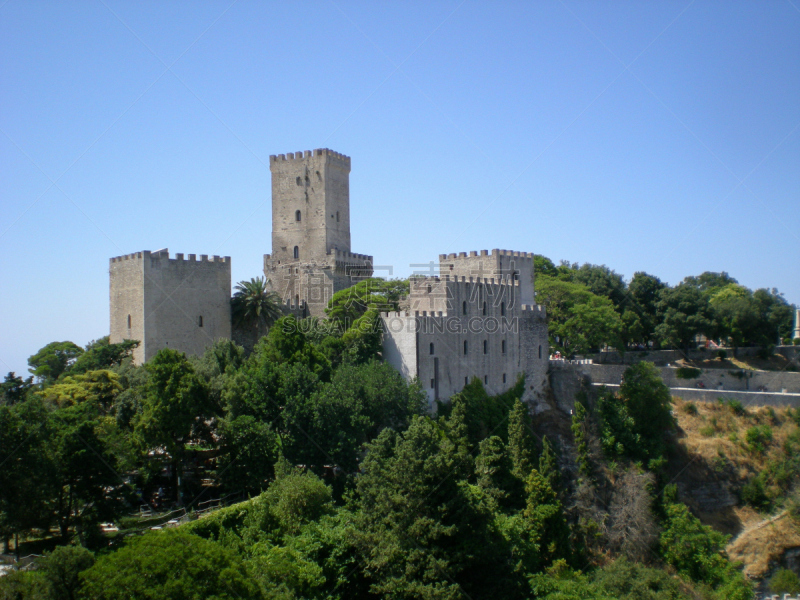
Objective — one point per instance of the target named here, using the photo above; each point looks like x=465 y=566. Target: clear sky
x=648 y=136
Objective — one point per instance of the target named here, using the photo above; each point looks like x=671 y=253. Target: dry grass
x=718 y=436
x=761 y=545
x=714 y=437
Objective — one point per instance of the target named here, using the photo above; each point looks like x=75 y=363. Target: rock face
x=709 y=497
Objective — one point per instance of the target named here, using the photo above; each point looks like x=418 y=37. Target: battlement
x=495 y=252
x=502 y=280
x=179 y=257
x=306 y=154
x=344 y=256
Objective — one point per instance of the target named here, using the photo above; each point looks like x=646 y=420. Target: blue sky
x=660 y=137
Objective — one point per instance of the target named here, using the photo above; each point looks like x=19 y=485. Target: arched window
x=298 y=216
x=431 y=347
x=297 y=251
x=485 y=347
x=465 y=346
x=129 y=321
x=297 y=299
x=502 y=309
x=464 y=307
x=503 y=346
x=484 y=308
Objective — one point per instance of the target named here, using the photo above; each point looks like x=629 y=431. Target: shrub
x=736 y=407
x=785 y=581
x=796 y=341
x=690 y=408
x=754 y=494
x=722 y=354
x=758 y=437
x=765 y=352
x=687 y=373
x=707 y=431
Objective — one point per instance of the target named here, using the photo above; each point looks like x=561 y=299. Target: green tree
x=168 y=565
x=287 y=344
x=14 y=389
x=382 y=295
x=649 y=404
x=100 y=354
x=249 y=448
x=521 y=447
x=174 y=409
x=548 y=465
x=683 y=312
x=420 y=529
x=52 y=360
x=253 y=306
x=578 y=320
x=62 y=567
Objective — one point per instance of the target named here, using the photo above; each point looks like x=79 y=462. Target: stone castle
x=478 y=318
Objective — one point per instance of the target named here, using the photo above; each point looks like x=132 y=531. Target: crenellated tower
x=311 y=258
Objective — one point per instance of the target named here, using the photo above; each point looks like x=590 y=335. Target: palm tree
x=252 y=305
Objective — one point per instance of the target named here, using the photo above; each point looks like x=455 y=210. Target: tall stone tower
x=311 y=258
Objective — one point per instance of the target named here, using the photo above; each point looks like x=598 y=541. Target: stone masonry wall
x=184 y=303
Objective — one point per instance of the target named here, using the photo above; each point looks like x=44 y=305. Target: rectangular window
x=485 y=379
x=504 y=377
x=199 y=321
x=433 y=383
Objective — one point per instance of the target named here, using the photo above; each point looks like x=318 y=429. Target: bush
x=690 y=408
x=687 y=373
x=722 y=354
x=758 y=437
x=765 y=352
x=796 y=341
x=736 y=407
x=707 y=431
x=785 y=582
x=754 y=494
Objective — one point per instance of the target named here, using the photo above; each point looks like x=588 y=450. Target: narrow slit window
x=502 y=309
x=464 y=307
x=484 y=308
x=540 y=352
x=431 y=347
x=430 y=289
x=485 y=346
x=503 y=346
x=466 y=380
x=504 y=377
x=298 y=216
x=200 y=321
x=129 y=321
x=337 y=216
x=433 y=383
x=485 y=379
x=297 y=251
x=465 y=346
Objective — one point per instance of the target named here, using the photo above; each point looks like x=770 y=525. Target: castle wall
x=497 y=264
x=460 y=329
x=184 y=303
